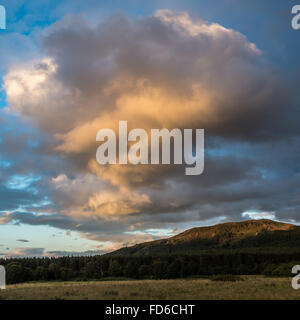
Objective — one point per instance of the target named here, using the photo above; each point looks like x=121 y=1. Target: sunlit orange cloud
x=167 y=70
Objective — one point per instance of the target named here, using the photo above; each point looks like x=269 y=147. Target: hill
x=252 y=235
x=261 y=247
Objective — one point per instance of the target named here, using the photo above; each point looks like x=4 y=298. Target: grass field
x=253 y=287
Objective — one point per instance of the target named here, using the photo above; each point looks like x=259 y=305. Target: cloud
x=166 y=70
x=5 y=218
x=25 y=252
x=41 y=252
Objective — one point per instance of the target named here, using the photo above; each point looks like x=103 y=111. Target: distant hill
x=253 y=235
x=256 y=247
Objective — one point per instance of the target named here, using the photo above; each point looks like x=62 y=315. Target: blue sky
x=57 y=201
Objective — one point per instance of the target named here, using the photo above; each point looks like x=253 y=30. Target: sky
x=69 y=68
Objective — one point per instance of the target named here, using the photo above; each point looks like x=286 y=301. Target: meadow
x=245 y=288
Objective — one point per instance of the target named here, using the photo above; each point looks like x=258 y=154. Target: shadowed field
x=253 y=287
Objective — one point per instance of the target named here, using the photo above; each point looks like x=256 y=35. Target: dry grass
x=253 y=287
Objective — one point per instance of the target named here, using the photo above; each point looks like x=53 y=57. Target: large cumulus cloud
x=163 y=71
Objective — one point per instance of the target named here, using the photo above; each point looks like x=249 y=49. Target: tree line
x=148 y=267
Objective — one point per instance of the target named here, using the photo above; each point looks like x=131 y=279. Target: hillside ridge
x=230 y=235
x=245 y=227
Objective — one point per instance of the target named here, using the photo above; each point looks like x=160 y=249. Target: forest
x=148 y=267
